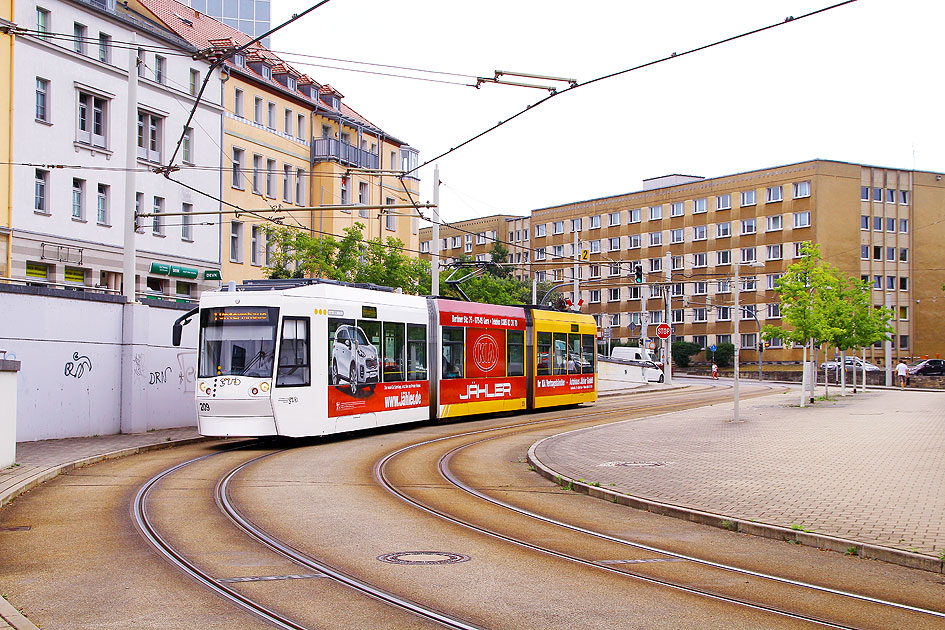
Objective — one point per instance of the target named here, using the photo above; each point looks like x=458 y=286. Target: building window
x=92 y=123
x=890 y=225
x=539 y=230
x=656 y=238
x=595 y=247
x=748 y=255
x=40 y=186
x=864 y=193
x=287 y=121
x=775 y=252
x=774 y=311
x=878 y=194
x=700 y=288
x=700 y=233
x=194 y=82
x=903 y=226
x=903 y=254
x=140 y=62
x=614 y=219
x=254 y=240
x=42 y=99
x=576 y=225
x=633 y=241
x=799 y=249
x=187 y=146
x=773 y=223
x=773 y=194
x=699 y=315
x=594 y=222
x=864 y=252
x=749 y=340
x=676 y=236
x=801 y=189
x=700 y=205
x=724 y=286
x=300 y=187
x=725 y=313
x=723 y=202
x=633 y=216
x=287 y=183
x=891 y=253
x=677 y=209
x=677 y=316
x=614 y=243
x=877 y=252
x=300 y=127
x=903 y=342
x=236 y=241
x=594 y=296
x=904 y=197
x=78 y=199
x=160 y=68
x=257 y=110
x=42 y=22
x=557 y=227
x=238 y=102
x=903 y=283
x=157 y=225
x=656 y=212
x=79 y=33
x=270 y=178
x=724 y=257
x=237 y=175
x=101 y=205
x=656 y=264
x=677 y=263
x=150 y=136
x=271 y=116
x=186 y=222
x=724 y=230
x=613 y=294
x=801 y=219
x=748 y=226
x=864 y=222
x=748 y=198
x=699 y=260
x=877 y=224
x=890 y=283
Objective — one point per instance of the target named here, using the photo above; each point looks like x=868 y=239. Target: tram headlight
x=203 y=387
x=264 y=386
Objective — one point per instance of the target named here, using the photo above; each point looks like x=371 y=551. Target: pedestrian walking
x=715 y=371
x=902 y=371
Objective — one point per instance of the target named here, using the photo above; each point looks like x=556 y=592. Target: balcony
x=349 y=155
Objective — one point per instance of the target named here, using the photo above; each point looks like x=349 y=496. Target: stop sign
x=663 y=331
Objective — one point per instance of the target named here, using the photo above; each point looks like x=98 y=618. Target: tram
x=312 y=357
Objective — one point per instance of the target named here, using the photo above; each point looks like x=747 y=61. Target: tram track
x=443 y=464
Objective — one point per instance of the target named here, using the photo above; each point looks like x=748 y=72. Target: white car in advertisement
x=353 y=359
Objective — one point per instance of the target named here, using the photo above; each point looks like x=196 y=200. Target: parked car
x=353 y=359
x=860 y=365
x=927 y=367
x=653 y=372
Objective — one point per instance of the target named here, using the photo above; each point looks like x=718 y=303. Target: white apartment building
x=71 y=143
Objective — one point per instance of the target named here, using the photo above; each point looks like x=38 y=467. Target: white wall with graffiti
x=75 y=367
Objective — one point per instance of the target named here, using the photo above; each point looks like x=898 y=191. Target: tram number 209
x=204 y=406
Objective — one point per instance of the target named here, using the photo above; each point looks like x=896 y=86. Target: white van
x=653 y=371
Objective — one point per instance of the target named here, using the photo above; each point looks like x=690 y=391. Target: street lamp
x=738 y=317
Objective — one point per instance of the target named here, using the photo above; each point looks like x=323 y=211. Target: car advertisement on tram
x=376 y=366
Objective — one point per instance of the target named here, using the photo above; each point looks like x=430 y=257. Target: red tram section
x=483 y=358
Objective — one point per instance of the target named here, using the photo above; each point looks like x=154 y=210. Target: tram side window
x=515 y=351
x=588 y=342
x=394 y=343
x=544 y=354
x=416 y=352
x=452 y=352
x=294 y=362
x=574 y=354
x=560 y=362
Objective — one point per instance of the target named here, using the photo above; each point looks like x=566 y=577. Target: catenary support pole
x=435 y=243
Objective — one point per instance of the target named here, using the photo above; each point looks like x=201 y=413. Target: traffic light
x=638 y=274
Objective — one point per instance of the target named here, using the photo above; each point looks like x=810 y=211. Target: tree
x=723 y=356
x=683 y=350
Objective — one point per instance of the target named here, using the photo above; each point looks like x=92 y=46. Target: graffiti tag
x=158 y=378
x=76 y=368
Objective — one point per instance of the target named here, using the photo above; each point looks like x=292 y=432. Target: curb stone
x=764 y=530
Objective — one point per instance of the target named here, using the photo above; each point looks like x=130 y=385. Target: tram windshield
x=237 y=341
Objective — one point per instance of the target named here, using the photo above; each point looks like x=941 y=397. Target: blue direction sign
x=712 y=347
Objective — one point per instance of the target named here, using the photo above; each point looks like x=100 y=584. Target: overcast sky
x=860 y=83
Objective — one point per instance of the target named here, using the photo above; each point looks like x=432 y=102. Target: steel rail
x=150 y=533
x=273 y=543
x=382 y=478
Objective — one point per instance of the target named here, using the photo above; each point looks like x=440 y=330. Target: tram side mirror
x=177 y=333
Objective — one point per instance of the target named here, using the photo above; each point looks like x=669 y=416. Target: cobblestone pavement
x=869 y=467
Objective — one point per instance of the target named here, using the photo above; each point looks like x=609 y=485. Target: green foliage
x=683 y=350
x=495 y=285
x=820 y=303
x=296 y=254
x=724 y=354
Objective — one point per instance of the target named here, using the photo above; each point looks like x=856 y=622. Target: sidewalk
x=864 y=471
x=40 y=461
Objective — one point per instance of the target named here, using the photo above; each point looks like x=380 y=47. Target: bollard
x=8 y=374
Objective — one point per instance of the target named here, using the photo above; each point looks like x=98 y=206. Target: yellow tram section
x=562 y=323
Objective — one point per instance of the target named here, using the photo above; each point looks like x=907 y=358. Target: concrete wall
x=73 y=372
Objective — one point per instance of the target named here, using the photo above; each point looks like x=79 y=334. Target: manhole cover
x=633 y=464
x=423 y=557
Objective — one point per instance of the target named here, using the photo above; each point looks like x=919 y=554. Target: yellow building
x=292 y=147
x=6 y=132
x=879 y=224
